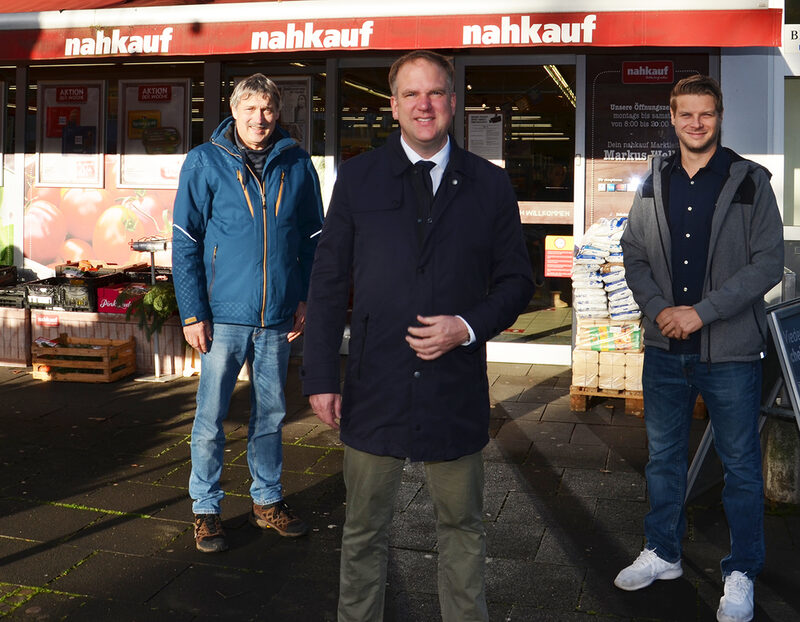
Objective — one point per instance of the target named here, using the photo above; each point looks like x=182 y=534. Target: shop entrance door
x=525 y=114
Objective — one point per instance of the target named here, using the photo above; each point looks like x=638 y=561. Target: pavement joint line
x=65 y=572
x=176 y=537
x=310 y=446
x=174 y=445
x=76 y=506
x=33 y=591
x=324 y=455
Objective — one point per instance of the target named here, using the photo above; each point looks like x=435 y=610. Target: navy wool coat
x=470 y=260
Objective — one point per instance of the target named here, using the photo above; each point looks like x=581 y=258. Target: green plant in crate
x=151 y=310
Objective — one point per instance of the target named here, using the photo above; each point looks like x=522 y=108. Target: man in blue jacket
x=247 y=212
x=431 y=236
x=703 y=244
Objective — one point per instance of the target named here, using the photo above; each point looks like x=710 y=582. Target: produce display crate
x=15 y=337
x=12 y=296
x=107 y=296
x=43 y=294
x=67 y=293
x=84 y=359
x=171 y=343
x=8 y=275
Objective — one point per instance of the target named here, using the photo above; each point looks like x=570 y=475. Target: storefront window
x=531 y=113
x=791 y=192
x=365 y=120
x=303 y=86
x=523 y=119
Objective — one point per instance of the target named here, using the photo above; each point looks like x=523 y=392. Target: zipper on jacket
x=244 y=189
x=263 y=191
x=363 y=345
x=264 y=263
x=280 y=194
x=213 y=271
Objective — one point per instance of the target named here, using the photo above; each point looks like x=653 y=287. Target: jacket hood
x=223 y=136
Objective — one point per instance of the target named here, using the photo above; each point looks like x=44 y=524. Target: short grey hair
x=257 y=84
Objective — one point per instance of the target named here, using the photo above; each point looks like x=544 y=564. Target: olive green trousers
x=456 y=489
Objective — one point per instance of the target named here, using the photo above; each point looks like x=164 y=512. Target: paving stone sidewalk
x=95 y=519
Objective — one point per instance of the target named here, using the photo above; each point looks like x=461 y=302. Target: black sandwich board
x=784 y=324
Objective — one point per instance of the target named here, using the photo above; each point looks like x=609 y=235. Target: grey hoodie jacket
x=745 y=260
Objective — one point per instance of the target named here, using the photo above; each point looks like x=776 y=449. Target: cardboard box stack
x=608 y=345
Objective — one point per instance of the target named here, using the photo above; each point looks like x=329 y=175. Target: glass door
x=525 y=114
x=522 y=114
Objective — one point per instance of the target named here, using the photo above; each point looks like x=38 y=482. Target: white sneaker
x=736 y=605
x=647 y=568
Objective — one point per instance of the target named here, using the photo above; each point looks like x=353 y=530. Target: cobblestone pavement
x=95 y=519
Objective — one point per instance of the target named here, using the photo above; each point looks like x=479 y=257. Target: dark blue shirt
x=691 y=209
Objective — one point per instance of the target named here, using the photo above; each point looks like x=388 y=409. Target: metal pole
x=156 y=357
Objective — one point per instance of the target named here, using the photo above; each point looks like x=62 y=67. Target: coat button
x=417 y=374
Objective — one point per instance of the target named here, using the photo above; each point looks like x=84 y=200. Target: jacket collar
x=399 y=162
x=223 y=137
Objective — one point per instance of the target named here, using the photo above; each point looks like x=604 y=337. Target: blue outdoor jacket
x=242 y=247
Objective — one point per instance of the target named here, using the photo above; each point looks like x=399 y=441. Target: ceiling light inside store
x=561 y=83
x=366 y=89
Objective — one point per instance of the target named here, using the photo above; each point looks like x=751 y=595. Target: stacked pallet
x=607 y=359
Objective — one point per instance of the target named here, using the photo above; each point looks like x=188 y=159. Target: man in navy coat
x=430 y=237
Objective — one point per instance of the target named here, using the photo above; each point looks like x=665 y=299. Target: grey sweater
x=745 y=260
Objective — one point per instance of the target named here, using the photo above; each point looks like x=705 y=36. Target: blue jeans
x=267 y=352
x=732 y=392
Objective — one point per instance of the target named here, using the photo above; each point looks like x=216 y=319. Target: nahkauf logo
x=647 y=72
x=118 y=44
x=525 y=32
x=308 y=37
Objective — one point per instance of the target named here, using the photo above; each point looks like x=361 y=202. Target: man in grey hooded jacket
x=704 y=243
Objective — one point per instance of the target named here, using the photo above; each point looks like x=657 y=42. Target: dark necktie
x=424 y=171
x=423 y=186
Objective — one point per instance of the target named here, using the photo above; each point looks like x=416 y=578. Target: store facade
x=102 y=104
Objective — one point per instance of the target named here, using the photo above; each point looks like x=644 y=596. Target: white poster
x=154 y=126
x=485 y=135
x=295 y=115
x=69 y=134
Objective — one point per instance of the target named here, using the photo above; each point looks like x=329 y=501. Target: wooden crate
x=580 y=399
x=80 y=359
x=15 y=337
x=78 y=324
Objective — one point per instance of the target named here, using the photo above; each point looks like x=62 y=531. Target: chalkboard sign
x=784 y=324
